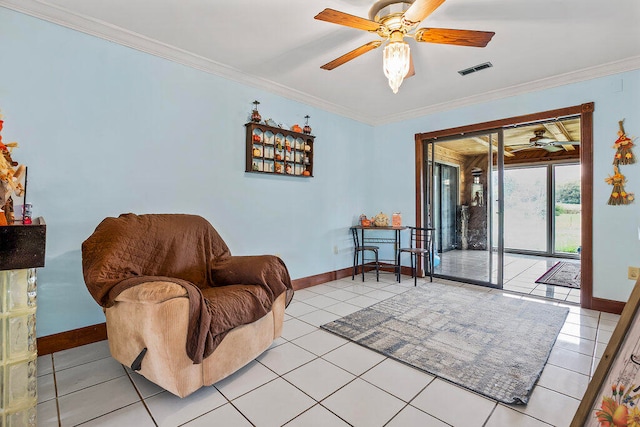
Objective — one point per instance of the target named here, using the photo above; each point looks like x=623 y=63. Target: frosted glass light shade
x=396 y=60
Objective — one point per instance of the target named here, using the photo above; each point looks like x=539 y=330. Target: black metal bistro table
x=391 y=240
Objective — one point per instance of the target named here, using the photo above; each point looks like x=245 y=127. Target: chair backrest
x=356 y=238
x=171 y=245
x=422 y=237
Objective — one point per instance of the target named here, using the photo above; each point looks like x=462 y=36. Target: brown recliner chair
x=180 y=310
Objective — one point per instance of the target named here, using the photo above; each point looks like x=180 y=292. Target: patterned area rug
x=489 y=343
x=565 y=274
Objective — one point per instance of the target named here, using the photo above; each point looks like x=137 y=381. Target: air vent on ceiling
x=475 y=68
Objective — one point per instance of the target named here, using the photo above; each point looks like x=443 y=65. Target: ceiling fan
x=393 y=20
x=549 y=144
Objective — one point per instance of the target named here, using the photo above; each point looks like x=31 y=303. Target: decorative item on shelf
x=255 y=166
x=296 y=128
x=279 y=143
x=256 y=152
x=396 y=219
x=307 y=147
x=307 y=128
x=272 y=123
x=381 y=220
x=255 y=116
x=256 y=138
x=11 y=175
x=287 y=145
x=623 y=145
x=618 y=195
x=288 y=169
x=306 y=172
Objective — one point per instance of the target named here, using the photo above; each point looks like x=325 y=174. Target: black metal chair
x=421 y=244
x=360 y=249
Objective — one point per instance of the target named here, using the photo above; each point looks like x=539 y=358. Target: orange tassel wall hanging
x=623 y=145
x=618 y=195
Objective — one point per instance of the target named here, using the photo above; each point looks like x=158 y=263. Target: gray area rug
x=565 y=274
x=489 y=343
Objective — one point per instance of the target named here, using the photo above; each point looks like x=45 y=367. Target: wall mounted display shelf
x=273 y=150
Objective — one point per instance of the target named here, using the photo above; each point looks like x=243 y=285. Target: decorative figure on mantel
x=623 y=145
x=10 y=174
x=618 y=195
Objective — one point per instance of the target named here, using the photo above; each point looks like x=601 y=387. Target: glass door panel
x=567 y=218
x=525 y=212
x=459 y=191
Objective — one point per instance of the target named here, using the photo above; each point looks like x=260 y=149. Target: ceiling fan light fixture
x=395 y=61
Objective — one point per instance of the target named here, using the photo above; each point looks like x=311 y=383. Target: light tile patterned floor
x=310 y=377
x=520 y=272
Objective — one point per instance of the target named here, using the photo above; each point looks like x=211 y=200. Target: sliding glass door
x=542 y=209
x=459 y=191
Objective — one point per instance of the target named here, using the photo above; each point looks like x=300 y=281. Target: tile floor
x=310 y=377
x=519 y=274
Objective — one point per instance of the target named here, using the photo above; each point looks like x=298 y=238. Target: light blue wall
x=615 y=228
x=105 y=129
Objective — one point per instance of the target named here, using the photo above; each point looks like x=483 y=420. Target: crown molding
x=64 y=17
x=616 y=67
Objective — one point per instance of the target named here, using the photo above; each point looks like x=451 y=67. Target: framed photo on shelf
x=613 y=395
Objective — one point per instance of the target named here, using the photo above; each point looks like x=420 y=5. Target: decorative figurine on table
x=618 y=195
x=381 y=220
x=623 y=145
x=396 y=219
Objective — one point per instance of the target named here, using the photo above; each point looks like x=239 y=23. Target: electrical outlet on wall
x=634 y=273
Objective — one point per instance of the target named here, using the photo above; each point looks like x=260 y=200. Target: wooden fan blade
x=341 y=18
x=351 y=55
x=412 y=71
x=419 y=10
x=455 y=37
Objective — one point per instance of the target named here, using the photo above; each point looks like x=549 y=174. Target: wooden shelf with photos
x=278 y=151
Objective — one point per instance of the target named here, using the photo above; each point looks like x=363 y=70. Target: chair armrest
x=267 y=271
x=154 y=291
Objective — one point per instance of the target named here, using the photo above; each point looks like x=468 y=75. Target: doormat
x=486 y=342
x=565 y=274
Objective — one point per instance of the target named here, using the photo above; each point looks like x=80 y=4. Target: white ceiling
x=277 y=45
